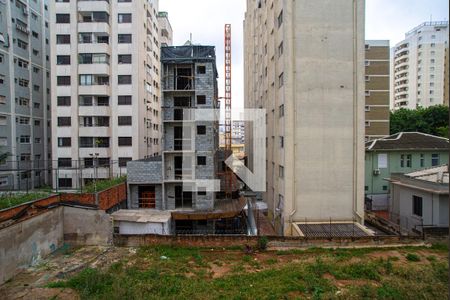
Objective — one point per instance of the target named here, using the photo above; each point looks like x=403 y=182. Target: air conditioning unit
x=376 y=172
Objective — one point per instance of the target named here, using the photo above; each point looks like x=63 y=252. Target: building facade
x=24 y=94
x=106 y=107
x=377 y=89
x=403 y=152
x=165 y=29
x=304 y=64
x=418 y=67
x=446 y=77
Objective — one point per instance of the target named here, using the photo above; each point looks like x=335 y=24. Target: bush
x=262 y=243
x=412 y=257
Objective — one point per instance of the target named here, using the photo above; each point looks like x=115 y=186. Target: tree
x=432 y=120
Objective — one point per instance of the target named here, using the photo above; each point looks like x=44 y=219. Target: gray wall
x=86 y=227
x=25 y=243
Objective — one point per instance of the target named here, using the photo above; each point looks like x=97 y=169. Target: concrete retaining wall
x=25 y=243
x=86 y=227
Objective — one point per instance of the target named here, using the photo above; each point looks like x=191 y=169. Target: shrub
x=262 y=243
x=412 y=257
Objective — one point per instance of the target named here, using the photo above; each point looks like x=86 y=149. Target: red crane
x=228 y=124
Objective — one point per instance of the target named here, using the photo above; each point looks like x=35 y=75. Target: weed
x=431 y=258
x=271 y=261
x=262 y=243
x=412 y=257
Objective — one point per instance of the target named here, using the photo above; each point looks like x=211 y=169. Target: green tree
x=432 y=120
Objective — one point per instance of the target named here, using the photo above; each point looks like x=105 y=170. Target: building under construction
x=184 y=180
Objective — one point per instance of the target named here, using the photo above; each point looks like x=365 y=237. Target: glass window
x=62 y=18
x=124 y=39
x=124 y=18
x=124 y=100
x=435 y=159
x=417 y=206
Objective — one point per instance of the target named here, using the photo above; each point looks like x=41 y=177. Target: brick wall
x=113 y=196
x=8 y=213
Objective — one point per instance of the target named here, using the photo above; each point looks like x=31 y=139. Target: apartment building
x=377 y=89
x=165 y=29
x=418 y=67
x=105 y=87
x=446 y=77
x=24 y=94
x=304 y=64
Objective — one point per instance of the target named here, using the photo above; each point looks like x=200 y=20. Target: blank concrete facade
x=105 y=87
x=304 y=64
x=377 y=89
x=24 y=93
x=418 y=67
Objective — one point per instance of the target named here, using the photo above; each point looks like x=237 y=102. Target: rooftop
x=409 y=141
x=436 y=174
x=428 y=24
x=142 y=215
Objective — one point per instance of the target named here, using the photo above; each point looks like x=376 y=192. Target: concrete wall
x=23 y=244
x=87 y=227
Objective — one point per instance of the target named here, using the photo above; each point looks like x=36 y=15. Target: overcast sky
x=205 y=19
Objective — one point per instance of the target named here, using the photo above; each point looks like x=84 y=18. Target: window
x=281 y=171
x=124 y=58
x=281 y=142
x=3 y=121
x=62 y=18
x=125 y=141
x=2 y=99
x=366 y=188
x=124 y=38
x=124 y=79
x=201 y=130
x=280 y=19
x=281 y=80
x=417 y=205
x=22 y=63
x=37 y=141
x=37 y=87
x=62 y=39
x=1 y=58
x=93 y=58
x=402 y=161
x=201 y=191
x=24 y=139
x=281 y=110
x=201 y=69
x=22 y=44
x=422 y=160
x=37 y=123
x=435 y=159
x=23 y=120
x=201 y=160
x=124 y=120
x=23 y=82
x=280 y=50
x=64 y=142
x=124 y=100
x=63 y=100
x=65 y=182
x=63 y=80
x=201 y=99
x=63 y=60
x=124 y=18
x=408 y=161
x=64 y=121
x=385 y=187
x=35 y=34
x=123 y=161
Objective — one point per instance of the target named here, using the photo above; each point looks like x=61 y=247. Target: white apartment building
x=165 y=29
x=105 y=87
x=418 y=67
x=304 y=64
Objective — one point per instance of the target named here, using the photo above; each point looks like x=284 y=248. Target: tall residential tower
x=105 y=87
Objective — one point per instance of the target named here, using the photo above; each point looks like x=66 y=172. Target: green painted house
x=403 y=152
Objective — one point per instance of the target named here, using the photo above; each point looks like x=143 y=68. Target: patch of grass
x=102 y=185
x=13 y=199
x=271 y=261
x=440 y=247
x=431 y=258
x=412 y=257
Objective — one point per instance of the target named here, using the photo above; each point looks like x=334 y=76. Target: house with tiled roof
x=403 y=152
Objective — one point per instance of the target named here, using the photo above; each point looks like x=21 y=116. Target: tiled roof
x=409 y=141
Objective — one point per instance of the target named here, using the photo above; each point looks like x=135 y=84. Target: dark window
x=124 y=18
x=65 y=162
x=103 y=162
x=63 y=80
x=102 y=101
x=88 y=162
x=124 y=100
x=64 y=142
x=201 y=192
x=435 y=161
x=65 y=182
x=62 y=18
x=366 y=187
x=123 y=1
x=125 y=141
x=64 y=121
x=201 y=99
x=280 y=19
x=124 y=58
x=201 y=70
x=124 y=38
x=201 y=160
x=417 y=206
x=63 y=101
x=124 y=120
x=63 y=60
x=124 y=79
x=123 y=161
x=384 y=187
x=201 y=129
x=63 y=38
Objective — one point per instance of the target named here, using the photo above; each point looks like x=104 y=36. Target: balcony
x=98 y=27
x=178 y=115
x=93 y=5
x=91 y=131
x=94 y=47
x=94 y=110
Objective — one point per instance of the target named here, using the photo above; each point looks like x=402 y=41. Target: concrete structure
x=24 y=94
x=399 y=153
x=304 y=64
x=144 y=221
x=106 y=107
x=418 y=67
x=165 y=29
x=446 y=77
x=377 y=89
x=421 y=199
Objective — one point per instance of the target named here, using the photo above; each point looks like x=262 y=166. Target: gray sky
x=205 y=19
